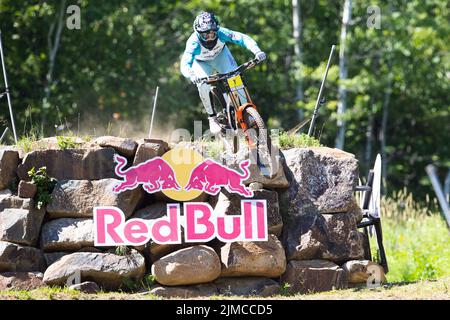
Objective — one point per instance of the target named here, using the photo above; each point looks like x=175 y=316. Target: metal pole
x=3 y=135
x=7 y=90
x=316 y=108
x=153 y=112
x=431 y=171
x=447 y=187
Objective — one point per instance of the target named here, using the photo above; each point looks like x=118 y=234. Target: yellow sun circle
x=183 y=161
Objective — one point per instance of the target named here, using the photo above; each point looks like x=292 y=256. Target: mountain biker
x=206 y=50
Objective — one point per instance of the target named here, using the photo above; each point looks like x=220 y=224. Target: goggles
x=208 y=35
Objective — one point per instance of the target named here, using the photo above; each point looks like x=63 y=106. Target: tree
x=297 y=28
x=342 y=103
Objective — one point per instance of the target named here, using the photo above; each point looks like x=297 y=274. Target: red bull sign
x=182 y=175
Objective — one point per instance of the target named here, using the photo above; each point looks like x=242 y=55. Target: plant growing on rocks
x=284 y=289
x=288 y=141
x=65 y=142
x=122 y=251
x=44 y=184
x=149 y=280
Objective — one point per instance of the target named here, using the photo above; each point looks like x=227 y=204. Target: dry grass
x=428 y=290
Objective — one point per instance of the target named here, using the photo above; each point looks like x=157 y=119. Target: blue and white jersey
x=194 y=49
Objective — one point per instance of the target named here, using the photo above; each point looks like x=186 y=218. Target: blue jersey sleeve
x=243 y=40
x=192 y=49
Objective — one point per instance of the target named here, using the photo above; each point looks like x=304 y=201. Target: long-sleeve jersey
x=194 y=49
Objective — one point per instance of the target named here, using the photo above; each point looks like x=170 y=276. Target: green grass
x=28 y=142
x=33 y=142
x=287 y=141
x=416 y=239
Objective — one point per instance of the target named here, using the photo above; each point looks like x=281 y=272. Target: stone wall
x=313 y=244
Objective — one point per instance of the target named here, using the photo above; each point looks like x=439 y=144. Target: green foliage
x=149 y=280
x=288 y=141
x=44 y=184
x=122 y=250
x=133 y=285
x=65 y=142
x=416 y=239
x=284 y=289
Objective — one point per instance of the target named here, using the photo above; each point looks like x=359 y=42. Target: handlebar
x=221 y=76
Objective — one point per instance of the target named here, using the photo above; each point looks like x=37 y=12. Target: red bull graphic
x=157 y=174
x=199 y=222
x=210 y=176
x=154 y=175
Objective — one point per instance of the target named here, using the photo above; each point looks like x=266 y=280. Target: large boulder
x=359 y=271
x=124 y=146
x=71 y=164
x=26 y=189
x=194 y=265
x=9 y=159
x=259 y=258
x=149 y=149
x=21 y=226
x=77 y=198
x=278 y=179
x=8 y=201
x=67 y=234
x=106 y=269
x=52 y=257
x=345 y=242
x=313 y=276
x=322 y=176
x=185 y=292
x=332 y=237
x=14 y=257
x=226 y=203
x=20 y=281
x=247 y=286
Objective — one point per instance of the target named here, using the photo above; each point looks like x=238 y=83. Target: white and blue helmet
x=206 y=26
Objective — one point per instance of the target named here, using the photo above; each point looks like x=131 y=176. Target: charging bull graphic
x=209 y=176
x=154 y=175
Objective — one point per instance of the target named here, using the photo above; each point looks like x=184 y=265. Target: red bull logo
x=154 y=175
x=157 y=174
x=182 y=175
x=210 y=176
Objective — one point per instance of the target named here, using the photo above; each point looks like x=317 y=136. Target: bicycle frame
x=234 y=86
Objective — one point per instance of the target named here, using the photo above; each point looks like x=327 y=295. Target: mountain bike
x=239 y=115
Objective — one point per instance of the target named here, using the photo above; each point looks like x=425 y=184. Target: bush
x=44 y=184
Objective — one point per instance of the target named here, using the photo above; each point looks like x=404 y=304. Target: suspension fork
x=240 y=118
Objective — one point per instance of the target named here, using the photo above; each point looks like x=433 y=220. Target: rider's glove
x=195 y=79
x=260 y=56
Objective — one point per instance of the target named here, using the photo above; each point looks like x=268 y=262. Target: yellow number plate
x=235 y=82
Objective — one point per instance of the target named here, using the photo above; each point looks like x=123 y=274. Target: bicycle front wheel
x=258 y=137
